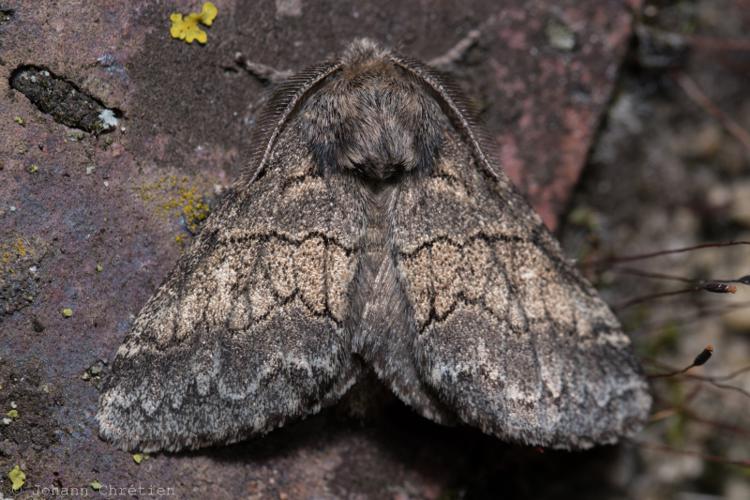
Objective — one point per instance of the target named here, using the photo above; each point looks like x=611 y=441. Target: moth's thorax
x=373 y=118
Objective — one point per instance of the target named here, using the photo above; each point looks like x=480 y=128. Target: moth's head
x=373 y=117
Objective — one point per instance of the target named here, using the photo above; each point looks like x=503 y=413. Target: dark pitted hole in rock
x=63 y=100
x=26 y=390
x=6 y=15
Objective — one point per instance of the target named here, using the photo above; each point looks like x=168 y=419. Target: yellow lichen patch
x=13 y=252
x=17 y=478
x=175 y=196
x=20 y=247
x=194 y=209
x=186 y=27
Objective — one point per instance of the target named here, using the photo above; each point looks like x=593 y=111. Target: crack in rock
x=63 y=100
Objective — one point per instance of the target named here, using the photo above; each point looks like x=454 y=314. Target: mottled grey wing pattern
x=373 y=227
x=247 y=332
x=509 y=335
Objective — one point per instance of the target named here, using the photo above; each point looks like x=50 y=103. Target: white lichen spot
x=108 y=119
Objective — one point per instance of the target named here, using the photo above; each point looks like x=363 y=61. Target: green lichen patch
x=177 y=197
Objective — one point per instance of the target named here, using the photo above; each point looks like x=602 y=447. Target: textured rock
x=107 y=215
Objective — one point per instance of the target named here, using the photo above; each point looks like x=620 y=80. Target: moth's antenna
x=284 y=101
x=453 y=98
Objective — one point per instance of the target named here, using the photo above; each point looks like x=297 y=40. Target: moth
x=373 y=232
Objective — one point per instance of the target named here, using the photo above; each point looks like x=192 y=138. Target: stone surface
x=664 y=174
x=93 y=222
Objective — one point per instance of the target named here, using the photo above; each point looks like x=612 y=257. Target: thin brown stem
x=672 y=373
x=649 y=255
x=651 y=296
x=730 y=375
x=701 y=42
x=701 y=314
x=710 y=458
x=719 y=385
x=711 y=380
x=694 y=92
x=714 y=423
x=648 y=274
